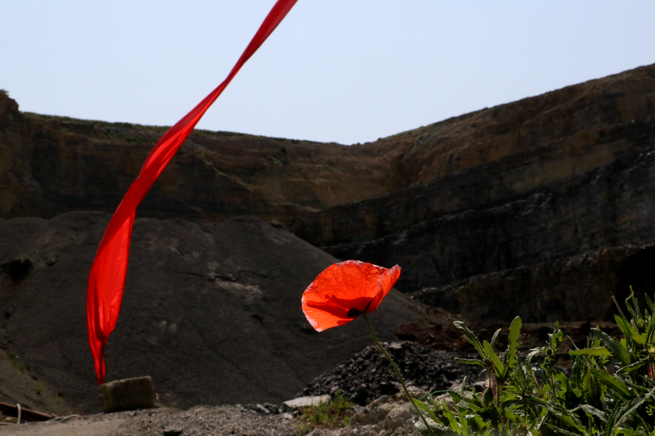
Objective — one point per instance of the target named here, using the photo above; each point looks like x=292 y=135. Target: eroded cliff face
x=545 y=179
x=66 y=164
x=576 y=177
x=498 y=155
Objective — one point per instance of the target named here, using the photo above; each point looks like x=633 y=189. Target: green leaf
x=451 y=418
x=650 y=304
x=469 y=361
x=640 y=339
x=455 y=396
x=556 y=337
x=494 y=338
x=494 y=358
x=632 y=367
x=506 y=367
x=509 y=415
x=612 y=382
x=591 y=410
x=520 y=376
x=600 y=351
x=625 y=327
x=563 y=383
x=634 y=307
x=615 y=347
x=561 y=431
x=509 y=398
x=616 y=303
x=514 y=332
x=627 y=432
x=631 y=332
x=577 y=372
x=620 y=414
x=479 y=423
x=650 y=329
x=422 y=406
x=463 y=422
x=554 y=408
x=591 y=391
x=488 y=397
x=474 y=403
x=459 y=325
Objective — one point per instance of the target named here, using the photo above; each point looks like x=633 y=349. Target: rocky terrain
x=506 y=191
x=387 y=417
x=541 y=208
x=198 y=421
x=367 y=375
x=211 y=311
x=366 y=378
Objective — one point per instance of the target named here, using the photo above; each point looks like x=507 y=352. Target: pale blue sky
x=339 y=70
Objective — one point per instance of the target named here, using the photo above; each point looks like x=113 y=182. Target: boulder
x=127 y=394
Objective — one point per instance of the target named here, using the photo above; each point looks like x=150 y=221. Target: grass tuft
x=334 y=414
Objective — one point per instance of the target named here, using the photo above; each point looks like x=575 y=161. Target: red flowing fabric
x=107 y=277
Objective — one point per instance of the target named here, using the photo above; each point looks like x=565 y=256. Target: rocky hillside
x=52 y=165
x=501 y=204
x=211 y=311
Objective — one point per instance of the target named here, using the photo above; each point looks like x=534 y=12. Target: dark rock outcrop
x=569 y=289
x=609 y=207
x=211 y=311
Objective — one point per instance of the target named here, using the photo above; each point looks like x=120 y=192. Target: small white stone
x=297 y=403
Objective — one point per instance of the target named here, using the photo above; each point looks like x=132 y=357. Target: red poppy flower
x=346 y=290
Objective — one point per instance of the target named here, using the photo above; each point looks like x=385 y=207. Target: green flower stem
x=400 y=376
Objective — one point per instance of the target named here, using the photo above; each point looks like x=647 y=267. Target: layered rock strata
x=540 y=180
x=568 y=289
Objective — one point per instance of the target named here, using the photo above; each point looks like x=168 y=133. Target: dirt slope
x=211 y=311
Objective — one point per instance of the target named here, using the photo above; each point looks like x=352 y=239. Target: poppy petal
x=385 y=283
x=322 y=318
x=345 y=290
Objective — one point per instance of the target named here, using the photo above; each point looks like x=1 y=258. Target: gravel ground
x=197 y=421
x=367 y=378
x=393 y=418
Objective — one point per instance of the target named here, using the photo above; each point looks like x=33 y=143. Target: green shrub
x=608 y=391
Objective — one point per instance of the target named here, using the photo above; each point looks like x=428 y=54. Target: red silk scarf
x=107 y=277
